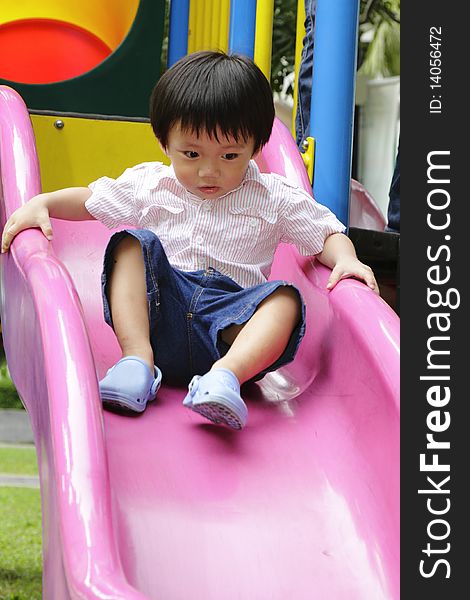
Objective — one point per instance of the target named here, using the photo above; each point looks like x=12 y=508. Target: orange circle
x=47 y=51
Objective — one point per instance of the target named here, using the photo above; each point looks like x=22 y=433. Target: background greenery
x=20 y=544
x=8 y=396
x=18 y=460
x=379 y=39
x=20 y=529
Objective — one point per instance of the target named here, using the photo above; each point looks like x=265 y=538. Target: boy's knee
x=289 y=298
x=127 y=244
x=289 y=293
x=127 y=255
x=294 y=300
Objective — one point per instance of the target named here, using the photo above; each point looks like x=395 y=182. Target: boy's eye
x=191 y=154
x=230 y=156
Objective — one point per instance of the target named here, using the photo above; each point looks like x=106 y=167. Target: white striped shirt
x=237 y=233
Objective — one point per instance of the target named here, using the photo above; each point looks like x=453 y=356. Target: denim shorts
x=188 y=310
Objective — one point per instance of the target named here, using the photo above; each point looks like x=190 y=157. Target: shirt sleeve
x=113 y=201
x=306 y=223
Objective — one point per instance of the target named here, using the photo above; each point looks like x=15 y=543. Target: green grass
x=20 y=513
x=20 y=544
x=18 y=461
x=8 y=395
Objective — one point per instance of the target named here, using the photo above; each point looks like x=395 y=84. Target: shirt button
x=207 y=207
x=253 y=222
x=199 y=240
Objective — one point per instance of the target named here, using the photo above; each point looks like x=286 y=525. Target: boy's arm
x=339 y=254
x=68 y=204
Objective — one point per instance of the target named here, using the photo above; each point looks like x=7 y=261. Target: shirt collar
x=254 y=174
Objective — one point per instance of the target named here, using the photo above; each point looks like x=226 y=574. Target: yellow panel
x=192 y=26
x=215 y=25
x=264 y=35
x=224 y=24
x=199 y=25
x=86 y=149
x=207 y=29
x=109 y=20
x=208 y=25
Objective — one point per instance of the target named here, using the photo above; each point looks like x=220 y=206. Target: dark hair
x=210 y=92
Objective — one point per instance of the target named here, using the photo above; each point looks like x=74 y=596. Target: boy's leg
x=254 y=346
x=127 y=295
x=258 y=343
x=134 y=380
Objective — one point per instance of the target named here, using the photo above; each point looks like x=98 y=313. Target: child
x=187 y=290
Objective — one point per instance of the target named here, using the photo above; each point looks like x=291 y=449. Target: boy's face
x=206 y=167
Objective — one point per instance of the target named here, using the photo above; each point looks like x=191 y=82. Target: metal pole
x=241 y=38
x=332 y=108
x=264 y=35
x=178 y=34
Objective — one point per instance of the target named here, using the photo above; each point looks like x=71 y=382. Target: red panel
x=46 y=51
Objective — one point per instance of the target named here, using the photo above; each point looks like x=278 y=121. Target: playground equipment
x=107 y=61
x=304 y=502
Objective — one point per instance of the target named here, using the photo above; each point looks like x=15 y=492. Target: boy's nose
x=208 y=170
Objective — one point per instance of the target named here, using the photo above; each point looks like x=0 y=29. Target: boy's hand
x=352 y=267
x=32 y=214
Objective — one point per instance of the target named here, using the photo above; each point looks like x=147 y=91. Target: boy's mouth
x=209 y=189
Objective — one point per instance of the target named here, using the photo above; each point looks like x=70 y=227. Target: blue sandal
x=216 y=396
x=129 y=385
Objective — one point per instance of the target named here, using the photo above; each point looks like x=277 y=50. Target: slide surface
x=303 y=503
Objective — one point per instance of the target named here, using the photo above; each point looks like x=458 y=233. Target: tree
x=379 y=27
x=379 y=39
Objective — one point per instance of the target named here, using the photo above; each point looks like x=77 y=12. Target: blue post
x=332 y=109
x=241 y=38
x=178 y=34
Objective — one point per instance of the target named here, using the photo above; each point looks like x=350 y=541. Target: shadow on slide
x=304 y=503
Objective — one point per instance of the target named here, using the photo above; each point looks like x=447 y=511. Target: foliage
x=166 y=28
x=283 y=52
x=380 y=38
x=8 y=395
x=379 y=49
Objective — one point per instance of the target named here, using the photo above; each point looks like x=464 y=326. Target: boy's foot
x=129 y=385
x=216 y=396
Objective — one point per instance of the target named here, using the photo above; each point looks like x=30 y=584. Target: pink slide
x=302 y=504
